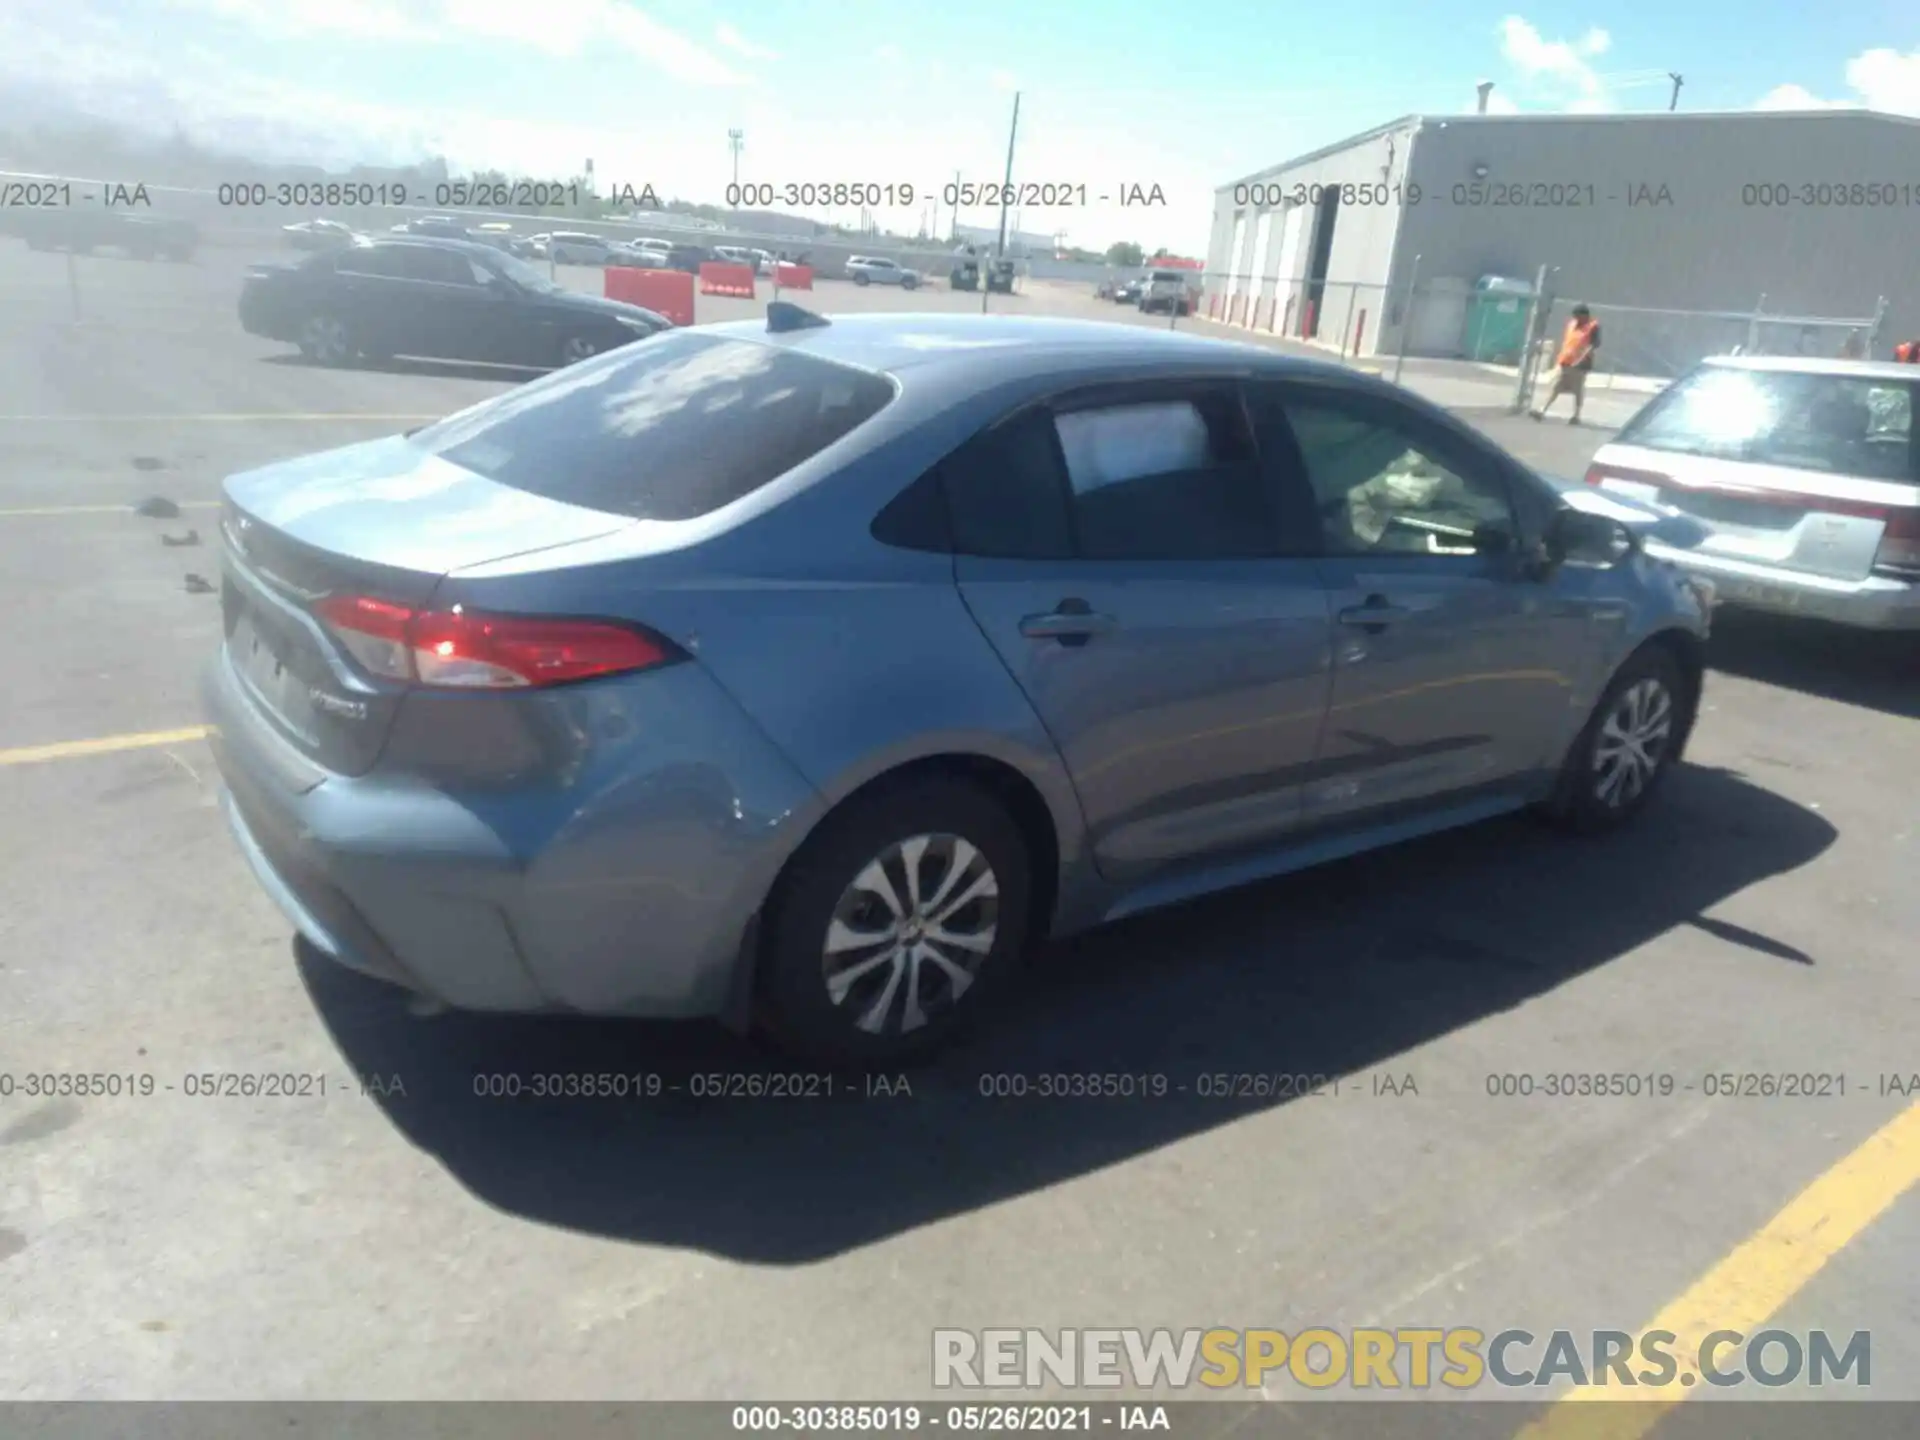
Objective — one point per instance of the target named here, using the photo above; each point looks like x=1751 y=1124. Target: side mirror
x=1578 y=537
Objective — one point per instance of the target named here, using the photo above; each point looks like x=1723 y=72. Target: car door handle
x=1072 y=622
x=1374 y=616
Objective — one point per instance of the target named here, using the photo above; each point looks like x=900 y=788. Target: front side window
x=1380 y=490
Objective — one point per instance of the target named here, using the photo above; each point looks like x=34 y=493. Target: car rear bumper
x=635 y=901
x=1875 y=603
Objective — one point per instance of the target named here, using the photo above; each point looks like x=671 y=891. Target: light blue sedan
x=807 y=672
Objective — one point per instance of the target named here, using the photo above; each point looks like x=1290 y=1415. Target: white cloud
x=567 y=27
x=1558 y=73
x=561 y=28
x=364 y=19
x=1881 y=79
x=888 y=53
x=1002 y=80
x=733 y=40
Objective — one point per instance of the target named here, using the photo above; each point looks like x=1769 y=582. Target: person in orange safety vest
x=1575 y=360
x=1907 y=352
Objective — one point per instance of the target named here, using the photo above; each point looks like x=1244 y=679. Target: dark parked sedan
x=440 y=299
x=807 y=673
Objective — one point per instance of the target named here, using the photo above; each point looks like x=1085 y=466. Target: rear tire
x=1628 y=745
x=923 y=973
x=861 y=280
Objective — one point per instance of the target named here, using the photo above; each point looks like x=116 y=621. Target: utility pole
x=1000 y=250
x=954 y=231
x=736 y=142
x=1673 y=102
x=1006 y=190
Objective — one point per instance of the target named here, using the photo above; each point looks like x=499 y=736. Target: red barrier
x=792 y=277
x=1306 y=321
x=665 y=292
x=734 y=280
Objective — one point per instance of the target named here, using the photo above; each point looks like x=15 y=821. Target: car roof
x=1812 y=365
x=435 y=242
x=997 y=345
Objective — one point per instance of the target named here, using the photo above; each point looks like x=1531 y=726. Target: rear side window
x=1837 y=424
x=671 y=429
x=373 y=260
x=1169 y=479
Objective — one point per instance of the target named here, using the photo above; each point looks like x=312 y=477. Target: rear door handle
x=1374 y=616
x=1071 y=622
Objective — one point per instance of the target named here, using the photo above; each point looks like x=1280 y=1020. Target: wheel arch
x=1017 y=792
x=1688 y=652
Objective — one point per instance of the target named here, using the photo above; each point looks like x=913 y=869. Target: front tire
x=1627 y=747
x=859 y=279
x=896 y=927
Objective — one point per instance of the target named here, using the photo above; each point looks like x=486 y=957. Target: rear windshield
x=671 y=428
x=1838 y=424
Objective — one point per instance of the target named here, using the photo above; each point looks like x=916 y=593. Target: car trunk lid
x=382 y=520
x=1817 y=524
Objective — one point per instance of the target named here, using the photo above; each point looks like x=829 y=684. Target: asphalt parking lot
x=399 y=1237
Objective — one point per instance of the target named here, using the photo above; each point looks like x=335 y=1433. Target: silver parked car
x=573 y=247
x=878 y=270
x=594 y=698
x=1804 y=472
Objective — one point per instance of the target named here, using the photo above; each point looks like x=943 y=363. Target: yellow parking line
x=101 y=509
x=1754 y=1282
x=105 y=745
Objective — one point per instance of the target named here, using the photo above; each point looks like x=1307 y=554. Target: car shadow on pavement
x=1332 y=972
x=436 y=369
x=1878 y=671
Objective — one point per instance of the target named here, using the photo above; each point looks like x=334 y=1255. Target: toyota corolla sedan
x=806 y=673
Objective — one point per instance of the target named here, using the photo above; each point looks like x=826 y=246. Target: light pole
x=1673 y=102
x=1000 y=250
x=736 y=142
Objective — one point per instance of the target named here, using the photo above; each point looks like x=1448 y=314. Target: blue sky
x=1119 y=92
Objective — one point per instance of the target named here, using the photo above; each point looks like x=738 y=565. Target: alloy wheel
x=324 y=338
x=1632 y=743
x=910 y=933
x=577 y=348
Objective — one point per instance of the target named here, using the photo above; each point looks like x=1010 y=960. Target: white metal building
x=1805 y=215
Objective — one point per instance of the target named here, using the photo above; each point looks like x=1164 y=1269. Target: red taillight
x=1899 y=552
x=462 y=650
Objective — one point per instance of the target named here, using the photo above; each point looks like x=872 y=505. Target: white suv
x=1804 y=473
x=878 y=270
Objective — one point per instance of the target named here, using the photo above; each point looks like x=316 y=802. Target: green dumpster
x=1496 y=330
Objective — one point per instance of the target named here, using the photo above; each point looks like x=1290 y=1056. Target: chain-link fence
x=1517 y=324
